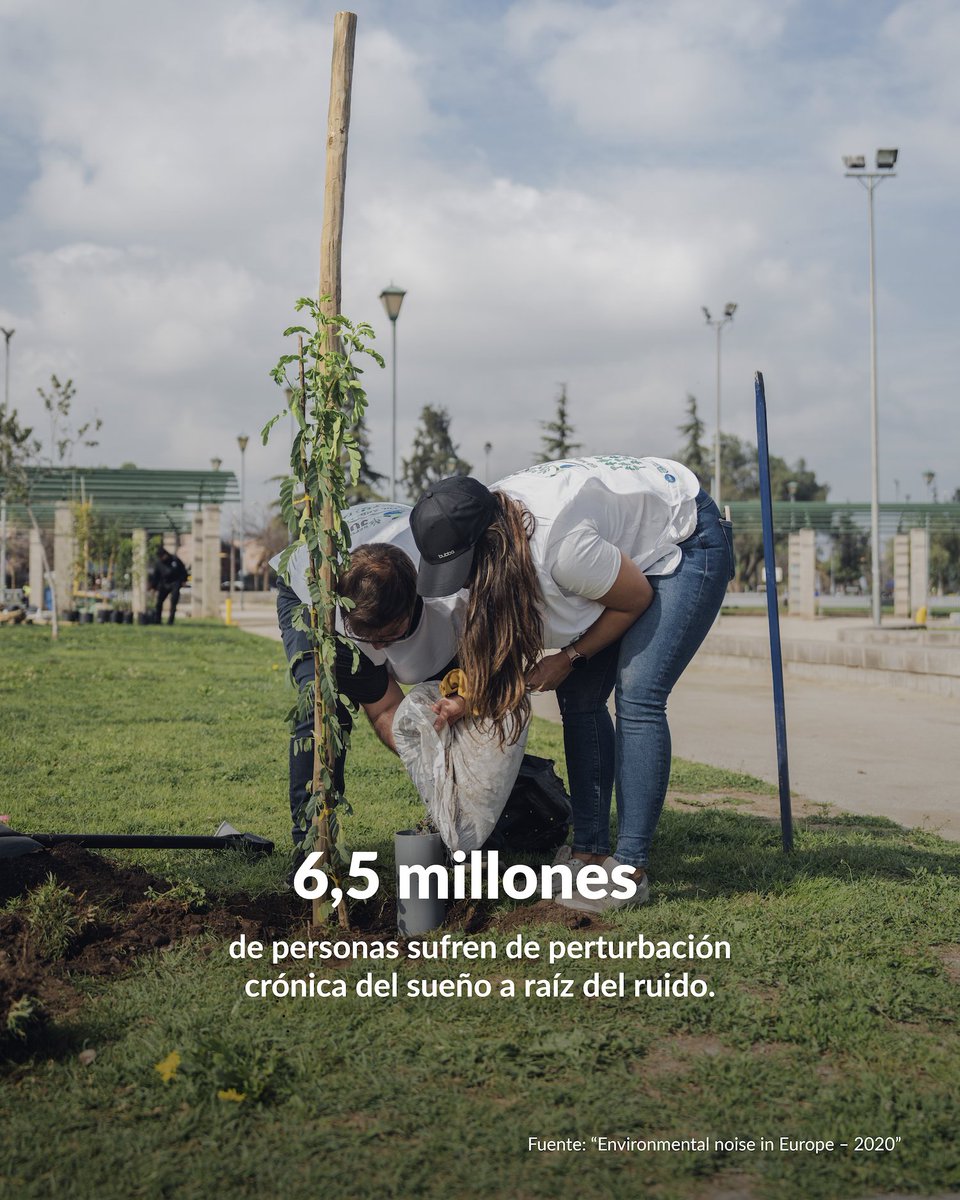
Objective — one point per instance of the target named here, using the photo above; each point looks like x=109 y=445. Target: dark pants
x=301 y=761
x=173 y=591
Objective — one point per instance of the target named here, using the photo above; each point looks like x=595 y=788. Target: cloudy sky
x=558 y=184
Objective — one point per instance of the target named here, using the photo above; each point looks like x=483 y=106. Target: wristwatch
x=576 y=658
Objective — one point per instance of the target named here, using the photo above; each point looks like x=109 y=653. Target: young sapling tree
x=327 y=402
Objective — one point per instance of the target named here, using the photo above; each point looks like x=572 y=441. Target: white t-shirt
x=590 y=510
x=433 y=643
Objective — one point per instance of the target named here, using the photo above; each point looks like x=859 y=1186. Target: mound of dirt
x=115 y=913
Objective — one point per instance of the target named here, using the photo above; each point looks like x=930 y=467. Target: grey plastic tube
x=425 y=910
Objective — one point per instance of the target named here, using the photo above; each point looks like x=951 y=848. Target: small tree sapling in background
x=327 y=404
x=21 y=460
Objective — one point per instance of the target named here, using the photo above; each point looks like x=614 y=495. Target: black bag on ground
x=537 y=814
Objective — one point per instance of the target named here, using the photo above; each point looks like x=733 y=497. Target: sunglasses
x=374 y=637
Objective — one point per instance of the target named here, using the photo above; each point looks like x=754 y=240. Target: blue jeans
x=643 y=666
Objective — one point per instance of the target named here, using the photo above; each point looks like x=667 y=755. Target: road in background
x=881 y=751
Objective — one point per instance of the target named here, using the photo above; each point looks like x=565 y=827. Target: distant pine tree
x=557 y=438
x=693 y=453
x=434 y=455
x=369 y=482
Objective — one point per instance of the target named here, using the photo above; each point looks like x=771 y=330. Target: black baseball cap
x=447 y=522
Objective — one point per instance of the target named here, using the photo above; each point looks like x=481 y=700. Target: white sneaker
x=606 y=901
x=564 y=857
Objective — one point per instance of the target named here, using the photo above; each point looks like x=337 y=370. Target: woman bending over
x=619 y=566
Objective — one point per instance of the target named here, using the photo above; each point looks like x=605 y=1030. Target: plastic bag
x=536 y=818
x=463 y=774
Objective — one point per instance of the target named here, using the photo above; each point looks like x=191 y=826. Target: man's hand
x=449 y=710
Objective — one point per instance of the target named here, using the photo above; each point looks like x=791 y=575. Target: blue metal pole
x=773 y=616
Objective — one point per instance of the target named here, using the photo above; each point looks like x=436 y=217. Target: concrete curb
x=924 y=668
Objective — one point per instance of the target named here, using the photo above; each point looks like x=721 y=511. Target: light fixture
x=729 y=309
x=886 y=159
x=216 y=464
x=392 y=298
x=854 y=162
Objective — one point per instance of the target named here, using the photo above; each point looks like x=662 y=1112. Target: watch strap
x=571 y=651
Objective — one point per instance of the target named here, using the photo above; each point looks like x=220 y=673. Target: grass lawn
x=834 y=1017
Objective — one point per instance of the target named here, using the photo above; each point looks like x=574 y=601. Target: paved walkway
x=868 y=749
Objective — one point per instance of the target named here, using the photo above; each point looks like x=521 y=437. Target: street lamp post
x=242 y=443
x=7 y=334
x=392 y=298
x=718 y=323
x=487 y=447
x=856 y=164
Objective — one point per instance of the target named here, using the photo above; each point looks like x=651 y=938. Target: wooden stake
x=338 y=128
x=331 y=244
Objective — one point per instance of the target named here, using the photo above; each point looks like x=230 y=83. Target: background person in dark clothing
x=169 y=575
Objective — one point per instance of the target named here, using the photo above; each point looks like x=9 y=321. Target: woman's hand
x=549 y=672
x=449 y=710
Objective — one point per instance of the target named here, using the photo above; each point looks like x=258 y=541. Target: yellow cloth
x=454 y=683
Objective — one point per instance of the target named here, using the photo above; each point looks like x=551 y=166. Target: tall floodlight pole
x=718 y=323
x=392 y=298
x=242 y=443
x=856 y=164
x=7 y=334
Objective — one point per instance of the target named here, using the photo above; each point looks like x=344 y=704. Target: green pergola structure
x=825 y=516
x=157 y=501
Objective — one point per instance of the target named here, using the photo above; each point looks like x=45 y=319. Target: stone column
x=793 y=573
x=901 y=575
x=64 y=554
x=802 y=579
x=196 y=569
x=139 y=573
x=919 y=569
x=211 y=561
x=38 y=585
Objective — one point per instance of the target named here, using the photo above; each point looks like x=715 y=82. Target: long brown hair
x=503 y=631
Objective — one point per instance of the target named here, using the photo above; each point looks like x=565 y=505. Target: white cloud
x=647 y=70
x=686 y=154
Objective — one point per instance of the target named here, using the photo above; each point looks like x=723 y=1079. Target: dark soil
x=119 y=921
